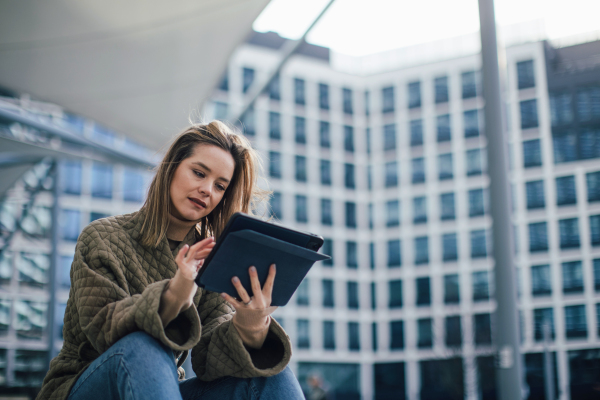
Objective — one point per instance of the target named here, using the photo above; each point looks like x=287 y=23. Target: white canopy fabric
x=142 y=68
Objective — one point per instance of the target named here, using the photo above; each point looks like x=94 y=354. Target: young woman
x=134 y=310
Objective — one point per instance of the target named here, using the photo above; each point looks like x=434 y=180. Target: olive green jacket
x=116 y=286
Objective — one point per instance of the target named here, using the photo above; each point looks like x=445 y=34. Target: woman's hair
x=242 y=194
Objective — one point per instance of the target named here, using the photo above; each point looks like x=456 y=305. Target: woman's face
x=200 y=182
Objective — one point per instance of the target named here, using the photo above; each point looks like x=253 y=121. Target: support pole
x=54 y=261
x=548 y=364
x=508 y=373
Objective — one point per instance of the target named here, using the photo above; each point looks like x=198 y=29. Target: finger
x=202 y=244
x=203 y=253
x=240 y=289
x=268 y=287
x=200 y=264
x=198 y=252
x=254 y=282
x=236 y=304
x=181 y=255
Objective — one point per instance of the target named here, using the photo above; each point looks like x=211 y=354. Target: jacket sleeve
x=105 y=309
x=221 y=351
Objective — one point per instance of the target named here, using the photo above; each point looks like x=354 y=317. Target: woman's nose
x=205 y=188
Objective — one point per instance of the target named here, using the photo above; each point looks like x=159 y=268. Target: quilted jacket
x=116 y=285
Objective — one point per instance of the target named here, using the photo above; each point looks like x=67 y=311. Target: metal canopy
x=142 y=68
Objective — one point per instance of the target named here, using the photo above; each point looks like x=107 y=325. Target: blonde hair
x=242 y=194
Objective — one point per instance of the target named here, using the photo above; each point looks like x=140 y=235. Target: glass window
x=133 y=186
x=420 y=210
x=418 y=170
x=593 y=186
x=102 y=178
x=349 y=139
x=349 y=176
x=471 y=123
x=543 y=316
x=328 y=335
x=538 y=237
x=478 y=244
x=374 y=336
x=561 y=109
x=33 y=269
x=589 y=144
x=392 y=212
x=416 y=132
x=525 y=74
x=301 y=208
x=221 y=110
x=30 y=319
x=372 y=255
x=529 y=114
x=565 y=147
x=451 y=289
x=595 y=230
x=326 y=212
x=5 y=305
x=414 y=94
x=274 y=125
x=328 y=250
x=247 y=79
x=367 y=102
x=532 y=153
x=352 y=295
x=391 y=174
x=351 y=254
x=303 y=293
x=303 y=334
x=447 y=206
x=476 y=203
x=575 y=322
x=65 y=271
x=276 y=206
x=482 y=329
x=350 y=209
x=369 y=177
x=423 y=291
x=248 y=124
x=596 y=266
x=396 y=335
x=469 y=84
x=275 y=88
x=368 y=139
x=481 y=286
x=572 y=277
x=425 y=333
x=373 y=296
x=421 y=250
x=274 y=164
x=70 y=225
x=97 y=215
x=588 y=103
x=328 y=296
x=353 y=336
x=565 y=191
x=453 y=331
x=300 y=125
x=474 y=162
x=326 y=172
x=441 y=89
x=370 y=215
x=387 y=99
x=535 y=195
x=449 y=247
x=541 y=281
x=347 y=99
x=394 y=253
x=569 y=233
x=444 y=131
x=300 y=169
x=323 y=96
x=389 y=137
x=70 y=177
x=299 y=91
x=324 y=136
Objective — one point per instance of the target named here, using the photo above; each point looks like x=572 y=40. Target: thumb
x=181 y=254
x=200 y=264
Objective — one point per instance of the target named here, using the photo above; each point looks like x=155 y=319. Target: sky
x=360 y=27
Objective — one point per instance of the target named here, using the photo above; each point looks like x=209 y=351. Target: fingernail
x=235 y=279
x=274 y=267
x=252 y=269
x=223 y=295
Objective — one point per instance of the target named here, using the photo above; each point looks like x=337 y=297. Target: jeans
x=138 y=367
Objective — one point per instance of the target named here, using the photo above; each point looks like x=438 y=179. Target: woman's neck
x=178 y=228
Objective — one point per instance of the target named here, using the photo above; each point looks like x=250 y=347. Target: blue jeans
x=138 y=367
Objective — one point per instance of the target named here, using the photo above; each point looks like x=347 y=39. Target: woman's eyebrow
x=201 y=164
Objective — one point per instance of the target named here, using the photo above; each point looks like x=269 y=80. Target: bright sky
x=359 y=27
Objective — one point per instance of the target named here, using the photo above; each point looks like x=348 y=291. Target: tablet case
x=245 y=248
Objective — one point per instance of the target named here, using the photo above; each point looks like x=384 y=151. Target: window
x=248 y=125
x=423 y=291
x=70 y=225
x=328 y=335
x=471 y=123
x=482 y=324
x=367 y=102
x=542 y=316
x=529 y=114
x=441 y=89
x=389 y=137
x=247 y=79
x=416 y=132
x=395 y=294
x=326 y=172
x=301 y=208
x=596 y=264
x=353 y=336
x=373 y=296
x=481 y=286
x=532 y=154
x=565 y=147
x=350 y=214
x=323 y=96
x=96 y=215
x=420 y=210
x=276 y=206
x=274 y=164
x=369 y=177
x=326 y=212
x=374 y=336
x=352 y=295
x=370 y=215
x=535 y=195
x=299 y=91
x=372 y=255
x=349 y=176
x=224 y=85
x=453 y=331
x=328 y=297
x=102 y=177
x=449 y=247
x=414 y=94
x=351 y=255
x=469 y=84
x=593 y=186
x=368 y=139
x=451 y=289
x=303 y=293
x=324 y=138
x=396 y=335
x=300 y=125
x=275 y=88
x=572 y=277
x=70 y=172
x=566 y=193
x=418 y=170
x=328 y=250
x=478 y=244
x=569 y=233
x=474 y=162
x=394 y=253
x=392 y=211
x=303 y=326
x=391 y=174
x=349 y=139
x=589 y=142
x=425 y=333
x=541 y=281
x=28 y=313
x=300 y=169
x=387 y=99
x=133 y=186
x=447 y=206
x=595 y=230
x=561 y=109
x=538 y=237
x=588 y=103
x=274 y=125
x=575 y=322
x=444 y=131
x=421 y=250
x=525 y=74
x=476 y=203
x=347 y=100
x=221 y=110
x=65 y=270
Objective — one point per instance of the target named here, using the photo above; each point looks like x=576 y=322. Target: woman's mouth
x=197 y=202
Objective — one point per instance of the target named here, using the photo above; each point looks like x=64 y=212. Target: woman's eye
x=199 y=174
x=221 y=187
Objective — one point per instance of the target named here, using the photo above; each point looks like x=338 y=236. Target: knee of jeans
x=137 y=343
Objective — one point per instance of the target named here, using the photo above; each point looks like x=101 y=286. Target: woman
x=134 y=309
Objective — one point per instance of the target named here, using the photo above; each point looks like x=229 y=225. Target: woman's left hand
x=253 y=314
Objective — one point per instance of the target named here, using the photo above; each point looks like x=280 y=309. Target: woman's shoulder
x=104 y=228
